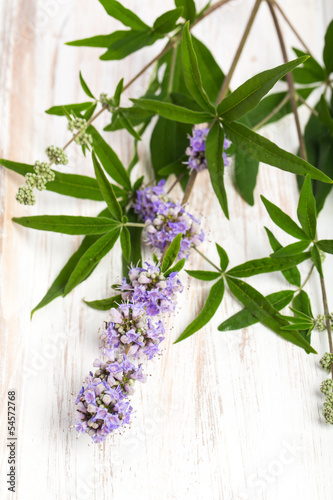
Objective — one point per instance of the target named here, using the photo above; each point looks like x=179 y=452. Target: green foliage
x=68 y=224
x=107 y=191
x=104 y=304
x=246 y=171
x=325 y=245
x=310 y=72
x=315 y=255
x=167 y=21
x=189 y=9
x=125 y=242
x=215 y=165
x=212 y=303
x=292 y=275
x=328 y=52
x=85 y=87
x=125 y=16
x=171 y=253
x=68 y=108
x=173 y=112
x=267 y=265
x=204 y=275
x=283 y=220
x=224 y=259
x=306 y=210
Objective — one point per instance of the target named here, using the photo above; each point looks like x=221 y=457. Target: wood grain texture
x=224 y=415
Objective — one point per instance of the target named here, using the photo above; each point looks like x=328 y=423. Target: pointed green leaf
x=325 y=245
x=310 y=72
x=224 y=259
x=315 y=255
x=85 y=87
x=128 y=126
x=283 y=220
x=167 y=21
x=267 y=265
x=125 y=16
x=266 y=151
x=215 y=164
x=265 y=312
x=244 y=318
x=302 y=304
x=104 y=304
x=176 y=268
x=110 y=161
x=69 y=108
x=91 y=258
x=298 y=326
x=189 y=8
x=128 y=42
x=249 y=94
x=204 y=275
x=118 y=92
x=211 y=74
x=191 y=72
x=106 y=190
x=328 y=49
x=246 y=171
x=324 y=114
x=68 y=224
x=171 y=253
x=125 y=241
x=292 y=275
x=306 y=210
x=291 y=250
x=90 y=111
x=172 y=112
x=213 y=301
x=103 y=41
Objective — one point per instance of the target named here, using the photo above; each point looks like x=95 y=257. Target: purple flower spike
x=197 y=149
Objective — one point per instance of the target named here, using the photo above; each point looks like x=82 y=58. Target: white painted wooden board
x=223 y=416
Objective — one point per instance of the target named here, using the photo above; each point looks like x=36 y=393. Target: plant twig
x=272 y=113
x=290 y=81
x=303 y=101
x=189 y=186
x=208 y=260
x=306 y=279
x=327 y=315
x=226 y=82
x=292 y=28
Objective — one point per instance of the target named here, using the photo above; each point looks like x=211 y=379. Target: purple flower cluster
x=165 y=219
x=130 y=330
x=101 y=405
x=197 y=149
x=149 y=287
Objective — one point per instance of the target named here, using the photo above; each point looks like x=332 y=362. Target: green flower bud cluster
x=326 y=361
x=106 y=101
x=56 y=155
x=42 y=174
x=328 y=408
x=80 y=125
x=326 y=386
x=320 y=322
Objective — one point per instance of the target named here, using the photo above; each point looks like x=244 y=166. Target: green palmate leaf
x=244 y=318
x=58 y=286
x=172 y=112
x=306 y=210
x=91 y=258
x=192 y=74
x=310 y=72
x=209 y=309
x=319 y=147
x=171 y=253
x=328 y=52
x=325 y=245
x=128 y=42
x=283 y=220
x=104 y=304
x=224 y=259
x=68 y=108
x=128 y=126
x=118 y=92
x=248 y=95
x=291 y=250
x=110 y=161
x=324 y=114
x=167 y=21
x=214 y=156
x=85 y=87
x=106 y=190
x=246 y=171
x=267 y=265
x=204 y=275
x=292 y=275
x=68 y=224
x=125 y=241
x=189 y=9
x=176 y=268
x=125 y=16
x=78 y=186
x=315 y=255
x=266 y=151
x=265 y=312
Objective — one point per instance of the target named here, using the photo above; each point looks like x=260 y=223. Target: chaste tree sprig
x=201 y=124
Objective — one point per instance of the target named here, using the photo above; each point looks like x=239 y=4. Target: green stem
x=290 y=81
x=225 y=86
x=327 y=315
x=303 y=101
x=172 y=68
x=208 y=260
x=134 y=224
x=306 y=279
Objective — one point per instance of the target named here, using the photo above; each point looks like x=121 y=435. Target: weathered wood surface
x=224 y=416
